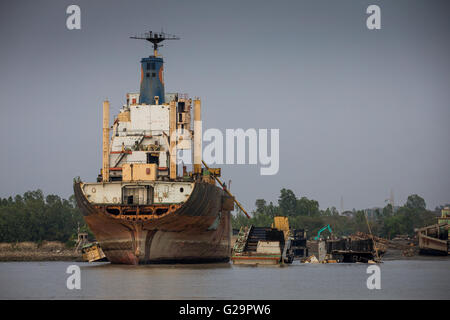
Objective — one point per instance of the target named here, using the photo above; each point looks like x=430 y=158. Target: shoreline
x=41 y=258
x=31 y=251
x=57 y=251
x=70 y=255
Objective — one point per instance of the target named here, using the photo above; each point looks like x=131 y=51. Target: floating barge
x=352 y=250
x=434 y=239
x=259 y=245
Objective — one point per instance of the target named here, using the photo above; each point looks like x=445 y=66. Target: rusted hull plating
x=197 y=231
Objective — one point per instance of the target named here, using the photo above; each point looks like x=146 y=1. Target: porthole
x=181 y=189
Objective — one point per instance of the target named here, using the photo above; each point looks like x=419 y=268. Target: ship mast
x=155 y=38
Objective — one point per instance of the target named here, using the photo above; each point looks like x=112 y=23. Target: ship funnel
x=152 y=83
x=152 y=80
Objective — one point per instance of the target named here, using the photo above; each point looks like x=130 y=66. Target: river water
x=401 y=279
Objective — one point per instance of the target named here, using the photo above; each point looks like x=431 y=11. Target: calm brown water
x=412 y=279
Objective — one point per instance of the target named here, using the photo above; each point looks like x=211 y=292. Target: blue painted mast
x=152 y=81
x=152 y=69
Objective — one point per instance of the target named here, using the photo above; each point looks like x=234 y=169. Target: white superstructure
x=144 y=140
x=141 y=134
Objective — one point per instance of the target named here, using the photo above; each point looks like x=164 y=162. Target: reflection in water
x=160 y=266
x=413 y=279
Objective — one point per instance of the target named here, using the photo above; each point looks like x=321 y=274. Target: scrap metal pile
x=351 y=250
x=404 y=244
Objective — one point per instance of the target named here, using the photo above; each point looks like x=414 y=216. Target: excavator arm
x=321 y=230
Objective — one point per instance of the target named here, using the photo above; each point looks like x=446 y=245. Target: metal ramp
x=241 y=240
x=261 y=245
x=256 y=234
x=263 y=234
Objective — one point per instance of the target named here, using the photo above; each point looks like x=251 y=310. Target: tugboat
x=143 y=209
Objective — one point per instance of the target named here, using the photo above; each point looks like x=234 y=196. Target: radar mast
x=155 y=38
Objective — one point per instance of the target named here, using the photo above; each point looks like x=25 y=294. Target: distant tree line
x=33 y=217
x=305 y=213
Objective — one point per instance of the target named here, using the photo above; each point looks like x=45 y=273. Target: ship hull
x=197 y=231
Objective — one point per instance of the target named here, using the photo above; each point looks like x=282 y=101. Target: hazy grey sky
x=360 y=112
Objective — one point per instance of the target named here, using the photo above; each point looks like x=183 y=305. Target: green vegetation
x=304 y=213
x=33 y=217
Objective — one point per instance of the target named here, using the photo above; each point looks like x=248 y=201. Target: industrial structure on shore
x=280 y=244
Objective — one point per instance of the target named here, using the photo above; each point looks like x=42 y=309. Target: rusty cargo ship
x=146 y=207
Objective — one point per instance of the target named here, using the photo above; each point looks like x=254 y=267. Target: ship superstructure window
x=129 y=200
x=147 y=75
x=152 y=159
x=180 y=106
x=153 y=74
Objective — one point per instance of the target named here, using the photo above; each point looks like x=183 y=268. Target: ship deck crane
x=226 y=190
